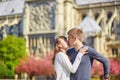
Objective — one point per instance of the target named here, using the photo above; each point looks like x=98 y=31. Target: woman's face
x=63 y=44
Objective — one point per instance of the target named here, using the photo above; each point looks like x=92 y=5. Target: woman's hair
x=56 y=47
x=76 y=32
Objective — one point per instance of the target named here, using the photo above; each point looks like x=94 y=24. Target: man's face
x=70 y=40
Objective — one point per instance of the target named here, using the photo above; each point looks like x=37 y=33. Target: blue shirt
x=71 y=55
x=84 y=70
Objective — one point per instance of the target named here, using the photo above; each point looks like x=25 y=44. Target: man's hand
x=83 y=50
x=106 y=79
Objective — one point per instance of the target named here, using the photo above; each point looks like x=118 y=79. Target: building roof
x=89 y=25
x=11 y=7
x=86 y=2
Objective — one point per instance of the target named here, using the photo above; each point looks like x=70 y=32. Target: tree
x=3 y=69
x=12 y=49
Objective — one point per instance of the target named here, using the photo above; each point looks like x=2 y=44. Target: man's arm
x=94 y=54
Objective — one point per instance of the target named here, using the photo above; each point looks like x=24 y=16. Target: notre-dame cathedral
x=41 y=21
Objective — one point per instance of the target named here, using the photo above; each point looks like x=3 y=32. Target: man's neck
x=78 y=46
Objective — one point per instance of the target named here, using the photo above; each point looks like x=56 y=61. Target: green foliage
x=95 y=78
x=12 y=49
x=3 y=69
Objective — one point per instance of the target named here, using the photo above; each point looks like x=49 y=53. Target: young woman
x=62 y=64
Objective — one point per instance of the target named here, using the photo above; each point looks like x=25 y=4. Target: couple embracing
x=75 y=63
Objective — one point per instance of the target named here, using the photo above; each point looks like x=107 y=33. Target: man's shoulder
x=90 y=49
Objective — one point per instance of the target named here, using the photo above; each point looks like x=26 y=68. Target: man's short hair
x=76 y=32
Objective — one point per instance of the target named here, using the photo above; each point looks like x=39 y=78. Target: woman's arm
x=64 y=60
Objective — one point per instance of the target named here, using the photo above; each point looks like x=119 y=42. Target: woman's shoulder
x=60 y=54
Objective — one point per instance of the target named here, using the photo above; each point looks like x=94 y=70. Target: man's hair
x=76 y=32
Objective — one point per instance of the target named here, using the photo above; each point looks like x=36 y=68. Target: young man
x=84 y=70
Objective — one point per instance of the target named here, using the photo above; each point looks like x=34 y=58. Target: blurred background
x=28 y=29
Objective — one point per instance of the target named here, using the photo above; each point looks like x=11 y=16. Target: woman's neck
x=62 y=50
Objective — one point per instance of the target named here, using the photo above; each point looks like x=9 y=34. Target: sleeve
x=106 y=65
x=64 y=60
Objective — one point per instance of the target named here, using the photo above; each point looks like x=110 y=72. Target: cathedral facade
x=41 y=21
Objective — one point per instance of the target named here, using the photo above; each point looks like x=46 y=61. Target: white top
x=64 y=67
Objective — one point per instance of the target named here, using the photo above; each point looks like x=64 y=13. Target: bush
x=114 y=66
x=97 y=69
x=36 y=67
x=12 y=49
x=3 y=69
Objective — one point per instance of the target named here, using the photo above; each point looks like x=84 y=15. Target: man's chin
x=70 y=45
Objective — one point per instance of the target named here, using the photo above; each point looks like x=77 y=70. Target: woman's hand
x=84 y=50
